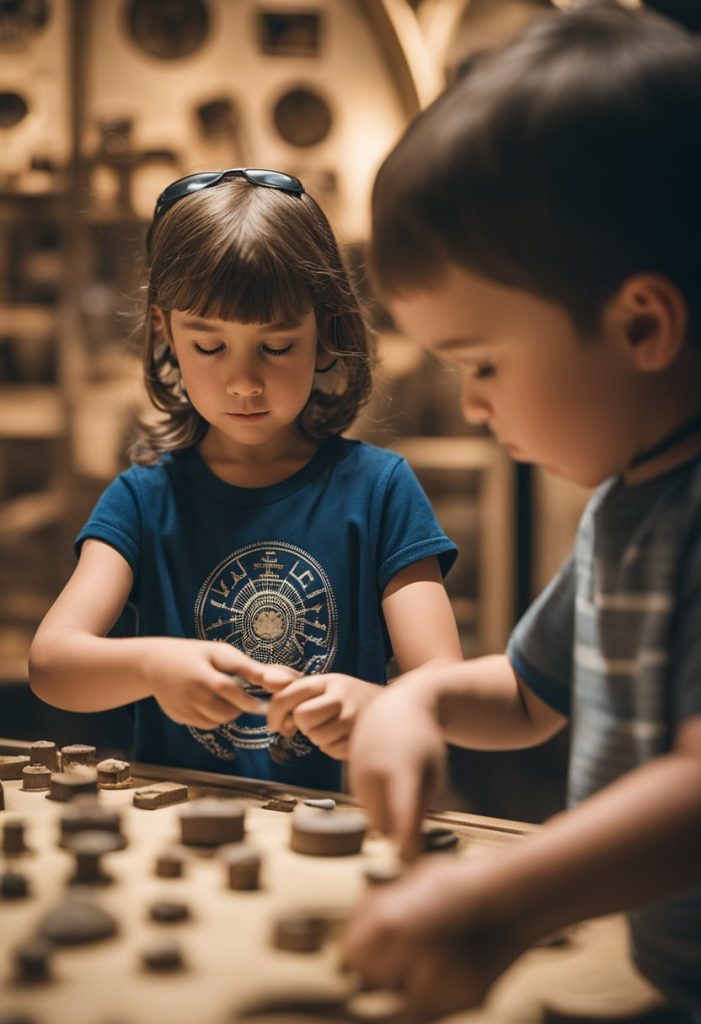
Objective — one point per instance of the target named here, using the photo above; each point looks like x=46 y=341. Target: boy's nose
x=474 y=408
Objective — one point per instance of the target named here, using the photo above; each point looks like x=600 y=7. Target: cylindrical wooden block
x=11 y=765
x=77 y=753
x=35 y=776
x=44 y=752
x=112 y=771
x=242 y=864
x=212 y=822
x=13 y=840
x=170 y=864
x=67 y=785
x=85 y=814
x=299 y=933
x=327 y=834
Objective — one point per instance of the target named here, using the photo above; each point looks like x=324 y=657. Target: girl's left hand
x=324 y=708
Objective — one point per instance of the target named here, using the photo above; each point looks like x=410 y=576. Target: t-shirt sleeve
x=116 y=520
x=408 y=528
x=540 y=647
x=686 y=644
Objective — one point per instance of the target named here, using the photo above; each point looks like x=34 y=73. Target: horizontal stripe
x=592 y=659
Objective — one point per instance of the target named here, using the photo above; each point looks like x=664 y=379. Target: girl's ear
x=158 y=321
x=650 y=314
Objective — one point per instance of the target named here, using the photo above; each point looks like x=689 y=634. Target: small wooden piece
x=89 y=848
x=85 y=814
x=284 y=803
x=242 y=863
x=163 y=955
x=323 y=834
x=77 y=753
x=323 y=804
x=13 y=886
x=169 y=911
x=33 y=961
x=437 y=840
x=299 y=933
x=13 y=841
x=212 y=822
x=35 y=777
x=113 y=774
x=11 y=765
x=160 y=794
x=44 y=752
x=76 y=922
x=65 y=786
x=170 y=864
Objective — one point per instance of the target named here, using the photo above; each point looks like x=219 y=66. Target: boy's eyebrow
x=447 y=344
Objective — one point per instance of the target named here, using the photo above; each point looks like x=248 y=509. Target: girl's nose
x=244 y=381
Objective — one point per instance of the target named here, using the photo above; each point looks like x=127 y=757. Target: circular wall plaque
x=168 y=29
x=302 y=117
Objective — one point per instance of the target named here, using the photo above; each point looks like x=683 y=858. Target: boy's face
x=549 y=396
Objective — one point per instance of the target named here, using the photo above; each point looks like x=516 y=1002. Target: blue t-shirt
x=292 y=573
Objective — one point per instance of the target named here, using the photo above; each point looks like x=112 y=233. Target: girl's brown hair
x=248 y=254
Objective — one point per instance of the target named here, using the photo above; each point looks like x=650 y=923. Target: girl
x=253 y=542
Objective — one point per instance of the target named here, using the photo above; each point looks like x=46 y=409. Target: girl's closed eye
x=271 y=350
x=207 y=351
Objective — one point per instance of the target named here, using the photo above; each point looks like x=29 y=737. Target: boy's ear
x=649 y=314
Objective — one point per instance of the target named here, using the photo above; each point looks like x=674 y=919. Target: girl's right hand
x=195 y=681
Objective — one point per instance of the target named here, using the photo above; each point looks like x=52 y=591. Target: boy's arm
x=448 y=930
x=397 y=750
x=73 y=665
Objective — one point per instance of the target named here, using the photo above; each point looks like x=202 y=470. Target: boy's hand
x=432 y=937
x=322 y=707
x=195 y=683
x=395 y=763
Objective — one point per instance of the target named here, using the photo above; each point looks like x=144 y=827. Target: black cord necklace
x=686 y=430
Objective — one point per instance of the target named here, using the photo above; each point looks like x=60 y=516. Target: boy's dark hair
x=561 y=164
x=253 y=255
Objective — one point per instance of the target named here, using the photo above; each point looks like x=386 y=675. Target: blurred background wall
x=103 y=103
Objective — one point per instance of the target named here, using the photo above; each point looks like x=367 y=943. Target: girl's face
x=250 y=382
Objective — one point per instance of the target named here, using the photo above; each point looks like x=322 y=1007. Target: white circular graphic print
x=272 y=601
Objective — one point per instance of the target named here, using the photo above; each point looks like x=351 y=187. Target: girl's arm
x=419 y=617
x=422 y=629
x=73 y=665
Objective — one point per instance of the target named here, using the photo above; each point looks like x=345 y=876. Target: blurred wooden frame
x=496 y=557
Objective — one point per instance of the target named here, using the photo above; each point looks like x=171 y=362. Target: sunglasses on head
x=206 y=179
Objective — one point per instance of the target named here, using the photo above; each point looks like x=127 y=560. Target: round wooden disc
x=326 y=834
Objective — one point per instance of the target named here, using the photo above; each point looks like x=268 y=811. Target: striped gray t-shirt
x=614 y=643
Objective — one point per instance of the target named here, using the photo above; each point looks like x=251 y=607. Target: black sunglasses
x=206 y=179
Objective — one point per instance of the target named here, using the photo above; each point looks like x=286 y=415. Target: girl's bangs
x=249 y=290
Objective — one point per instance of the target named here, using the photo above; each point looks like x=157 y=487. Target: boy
x=539 y=227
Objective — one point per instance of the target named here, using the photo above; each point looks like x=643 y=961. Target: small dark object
x=164 y=955
x=168 y=911
x=32 y=961
x=435 y=840
x=76 y=922
x=13 y=841
x=13 y=886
